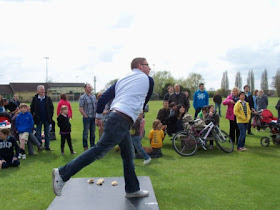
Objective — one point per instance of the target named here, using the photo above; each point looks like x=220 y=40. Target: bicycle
x=186 y=142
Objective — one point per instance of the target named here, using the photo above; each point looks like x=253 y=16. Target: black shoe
x=250 y=134
x=48 y=149
x=40 y=148
x=33 y=154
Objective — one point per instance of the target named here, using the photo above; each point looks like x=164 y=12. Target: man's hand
x=98 y=122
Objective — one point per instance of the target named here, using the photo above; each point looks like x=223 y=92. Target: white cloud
x=87 y=38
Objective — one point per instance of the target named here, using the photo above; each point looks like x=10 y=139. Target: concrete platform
x=79 y=194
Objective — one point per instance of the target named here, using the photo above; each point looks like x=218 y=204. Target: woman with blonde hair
x=230 y=102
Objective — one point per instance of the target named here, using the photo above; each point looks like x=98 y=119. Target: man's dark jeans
x=89 y=124
x=46 y=132
x=116 y=131
x=197 y=110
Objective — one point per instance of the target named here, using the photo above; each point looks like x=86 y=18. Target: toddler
x=65 y=129
x=156 y=137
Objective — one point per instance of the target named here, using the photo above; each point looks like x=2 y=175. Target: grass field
x=207 y=180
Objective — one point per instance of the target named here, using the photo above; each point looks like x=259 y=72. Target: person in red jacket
x=230 y=102
x=64 y=101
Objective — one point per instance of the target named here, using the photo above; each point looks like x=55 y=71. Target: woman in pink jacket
x=64 y=101
x=230 y=102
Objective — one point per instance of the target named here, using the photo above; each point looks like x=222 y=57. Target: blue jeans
x=89 y=124
x=116 y=131
x=46 y=131
x=241 y=139
x=136 y=140
x=218 y=106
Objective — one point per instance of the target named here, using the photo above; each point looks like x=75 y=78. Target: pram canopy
x=267 y=116
x=5 y=116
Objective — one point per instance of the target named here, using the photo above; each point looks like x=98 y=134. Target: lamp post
x=47 y=58
x=77 y=77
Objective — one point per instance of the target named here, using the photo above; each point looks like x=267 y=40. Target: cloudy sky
x=87 y=38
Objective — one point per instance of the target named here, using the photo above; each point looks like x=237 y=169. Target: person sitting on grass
x=242 y=112
x=9 y=150
x=156 y=137
x=65 y=129
x=171 y=120
x=181 y=111
x=214 y=117
x=203 y=111
x=24 y=125
x=136 y=140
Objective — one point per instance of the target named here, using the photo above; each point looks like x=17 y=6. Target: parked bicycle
x=186 y=142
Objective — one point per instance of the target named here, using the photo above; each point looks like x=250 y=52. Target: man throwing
x=129 y=95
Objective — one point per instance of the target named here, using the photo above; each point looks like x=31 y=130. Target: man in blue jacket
x=24 y=125
x=200 y=99
x=130 y=94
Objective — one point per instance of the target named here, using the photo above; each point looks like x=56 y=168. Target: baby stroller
x=5 y=119
x=262 y=119
x=275 y=136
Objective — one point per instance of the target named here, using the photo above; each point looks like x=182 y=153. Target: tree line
x=163 y=79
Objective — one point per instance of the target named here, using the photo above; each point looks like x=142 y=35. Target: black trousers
x=69 y=142
x=249 y=126
x=233 y=131
x=197 y=110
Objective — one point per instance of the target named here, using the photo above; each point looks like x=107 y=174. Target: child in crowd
x=9 y=150
x=156 y=137
x=24 y=126
x=65 y=129
x=181 y=111
x=201 y=114
x=211 y=116
x=32 y=140
x=242 y=112
x=136 y=140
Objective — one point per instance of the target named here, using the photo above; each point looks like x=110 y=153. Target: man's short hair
x=40 y=87
x=136 y=61
x=23 y=105
x=170 y=86
x=5 y=100
x=200 y=84
x=86 y=84
x=246 y=86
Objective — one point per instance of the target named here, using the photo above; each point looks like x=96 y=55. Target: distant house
x=6 y=91
x=25 y=91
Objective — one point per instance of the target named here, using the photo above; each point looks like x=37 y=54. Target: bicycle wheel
x=223 y=141
x=265 y=141
x=184 y=143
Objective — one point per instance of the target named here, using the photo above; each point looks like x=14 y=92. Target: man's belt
x=127 y=118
